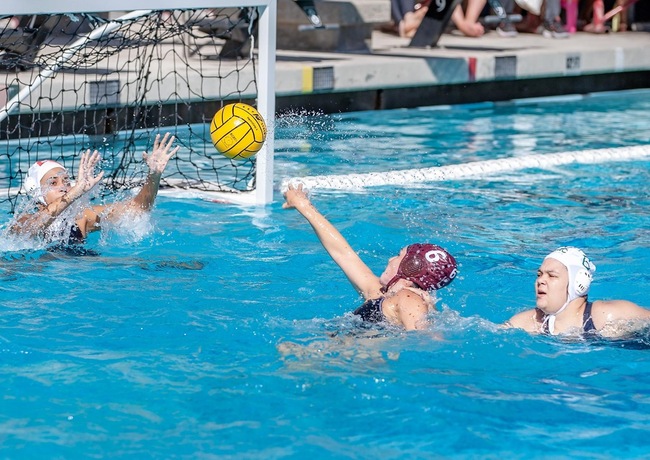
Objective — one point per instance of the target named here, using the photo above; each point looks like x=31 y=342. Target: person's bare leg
x=467 y=27
x=474 y=10
x=412 y=20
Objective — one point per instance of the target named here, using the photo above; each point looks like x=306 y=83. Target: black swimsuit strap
x=587 y=320
x=371 y=310
x=76 y=237
x=541 y=316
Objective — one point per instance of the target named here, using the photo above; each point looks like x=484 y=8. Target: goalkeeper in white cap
x=561 y=290
x=62 y=215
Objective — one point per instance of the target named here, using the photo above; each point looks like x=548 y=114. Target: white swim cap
x=580 y=268
x=36 y=172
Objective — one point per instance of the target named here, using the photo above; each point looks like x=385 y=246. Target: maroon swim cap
x=426 y=265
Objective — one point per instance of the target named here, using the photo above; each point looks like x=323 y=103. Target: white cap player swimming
x=581 y=272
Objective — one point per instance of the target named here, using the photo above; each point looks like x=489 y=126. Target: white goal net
x=72 y=80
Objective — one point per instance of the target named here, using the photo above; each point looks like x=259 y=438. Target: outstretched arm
x=157 y=162
x=361 y=277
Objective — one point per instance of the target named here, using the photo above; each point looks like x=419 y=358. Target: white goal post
x=264 y=70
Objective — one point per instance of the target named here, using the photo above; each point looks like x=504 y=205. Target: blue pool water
x=216 y=331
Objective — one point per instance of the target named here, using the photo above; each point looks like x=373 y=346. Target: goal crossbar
x=28 y=7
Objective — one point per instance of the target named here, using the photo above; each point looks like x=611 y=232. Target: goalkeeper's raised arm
x=57 y=202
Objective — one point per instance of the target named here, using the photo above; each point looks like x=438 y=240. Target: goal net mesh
x=72 y=82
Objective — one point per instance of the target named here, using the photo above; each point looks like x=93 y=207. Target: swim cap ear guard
x=579 y=267
x=427 y=266
x=31 y=185
x=582 y=282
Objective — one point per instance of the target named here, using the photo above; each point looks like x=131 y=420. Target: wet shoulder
x=528 y=320
x=605 y=311
x=407 y=297
x=406 y=307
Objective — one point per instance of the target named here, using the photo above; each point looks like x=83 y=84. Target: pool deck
x=461 y=70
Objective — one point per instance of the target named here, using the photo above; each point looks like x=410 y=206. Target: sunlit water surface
x=221 y=331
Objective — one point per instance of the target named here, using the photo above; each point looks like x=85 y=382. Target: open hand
x=295 y=197
x=86 y=178
x=161 y=155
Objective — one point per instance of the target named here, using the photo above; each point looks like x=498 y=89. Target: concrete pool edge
x=461 y=70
